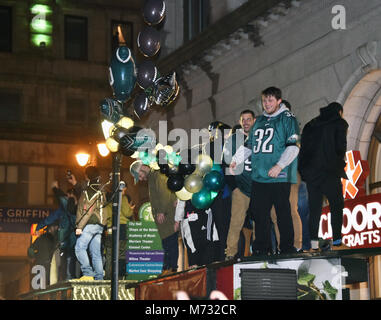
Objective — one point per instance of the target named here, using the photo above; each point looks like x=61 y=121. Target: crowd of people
x=275 y=183
x=274 y=192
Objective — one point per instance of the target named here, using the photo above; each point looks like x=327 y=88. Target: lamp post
x=113 y=132
x=117 y=187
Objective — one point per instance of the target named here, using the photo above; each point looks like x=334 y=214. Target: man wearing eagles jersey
x=273 y=146
x=242 y=191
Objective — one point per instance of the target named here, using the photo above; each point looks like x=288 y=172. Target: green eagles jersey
x=268 y=139
x=243 y=179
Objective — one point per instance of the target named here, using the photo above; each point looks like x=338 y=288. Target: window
x=75 y=38
x=5 y=29
x=121 y=35
x=9 y=182
x=76 y=111
x=22 y=185
x=196 y=17
x=10 y=107
x=36 y=190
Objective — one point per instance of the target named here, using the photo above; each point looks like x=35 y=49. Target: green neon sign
x=40 y=8
x=41 y=40
x=40 y=26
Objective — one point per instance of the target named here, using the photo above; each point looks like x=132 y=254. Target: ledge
x=216 y=32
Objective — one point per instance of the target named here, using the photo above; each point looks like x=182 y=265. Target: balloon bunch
x=199 y=182
x=204 y=184
x=119 y=130
x=156 y=89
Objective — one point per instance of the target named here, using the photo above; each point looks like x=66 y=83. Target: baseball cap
x=135 y=168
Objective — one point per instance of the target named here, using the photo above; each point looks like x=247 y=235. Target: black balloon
x=154 y=11
x=175 y=182
x=149 y=41
x=147 y=74
x=173 y=170
x=186 y=168
x=164 y=168
x=141 y=104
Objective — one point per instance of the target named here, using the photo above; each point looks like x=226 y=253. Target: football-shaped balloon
x=122 y=73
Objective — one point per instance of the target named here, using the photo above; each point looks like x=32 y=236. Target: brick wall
x=14 y=244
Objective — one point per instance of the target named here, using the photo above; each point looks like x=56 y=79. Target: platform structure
x=343 y=269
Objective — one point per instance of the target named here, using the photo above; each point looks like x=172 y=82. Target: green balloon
x=214 y=181
x=213 y=194
x=216 y=167
x=193 y=183
x=202 y=199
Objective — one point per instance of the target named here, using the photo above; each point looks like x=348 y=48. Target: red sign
x=357 y=171
x=361 y=222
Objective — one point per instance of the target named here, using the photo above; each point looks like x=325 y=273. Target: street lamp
x=82 y=158
x=103 y=150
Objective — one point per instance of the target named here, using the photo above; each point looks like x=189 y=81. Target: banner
x=317 y=279
x=144 y=254
x=19 y=220
x=361 y=222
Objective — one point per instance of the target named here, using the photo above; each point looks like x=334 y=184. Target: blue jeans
x=304 y=213
x=90 y=238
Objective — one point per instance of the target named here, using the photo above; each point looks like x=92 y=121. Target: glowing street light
x=82 y=158
x=103 y=150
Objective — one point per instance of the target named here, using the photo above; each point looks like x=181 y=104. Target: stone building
x=316 y=51
x=54 y=58
x=225 y=52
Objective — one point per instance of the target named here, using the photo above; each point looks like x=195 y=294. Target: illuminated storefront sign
x=357 y=171
x=19 y=220
x=362 y=214
x=361 y=222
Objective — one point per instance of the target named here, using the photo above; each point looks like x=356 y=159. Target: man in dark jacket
x=65 y=215
x=321 y=166
x=44 y=247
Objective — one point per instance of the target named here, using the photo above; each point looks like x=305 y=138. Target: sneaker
x=86 y=278
x=339 y=245
x=167 y=272
x=325 y=245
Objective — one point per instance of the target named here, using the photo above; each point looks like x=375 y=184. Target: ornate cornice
x=222 y=36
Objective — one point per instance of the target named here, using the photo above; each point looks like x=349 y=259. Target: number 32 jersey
x=268 y=139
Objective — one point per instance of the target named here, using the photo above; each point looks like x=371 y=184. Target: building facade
x=54 y=58
x=225 y=52
x=316 y=51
